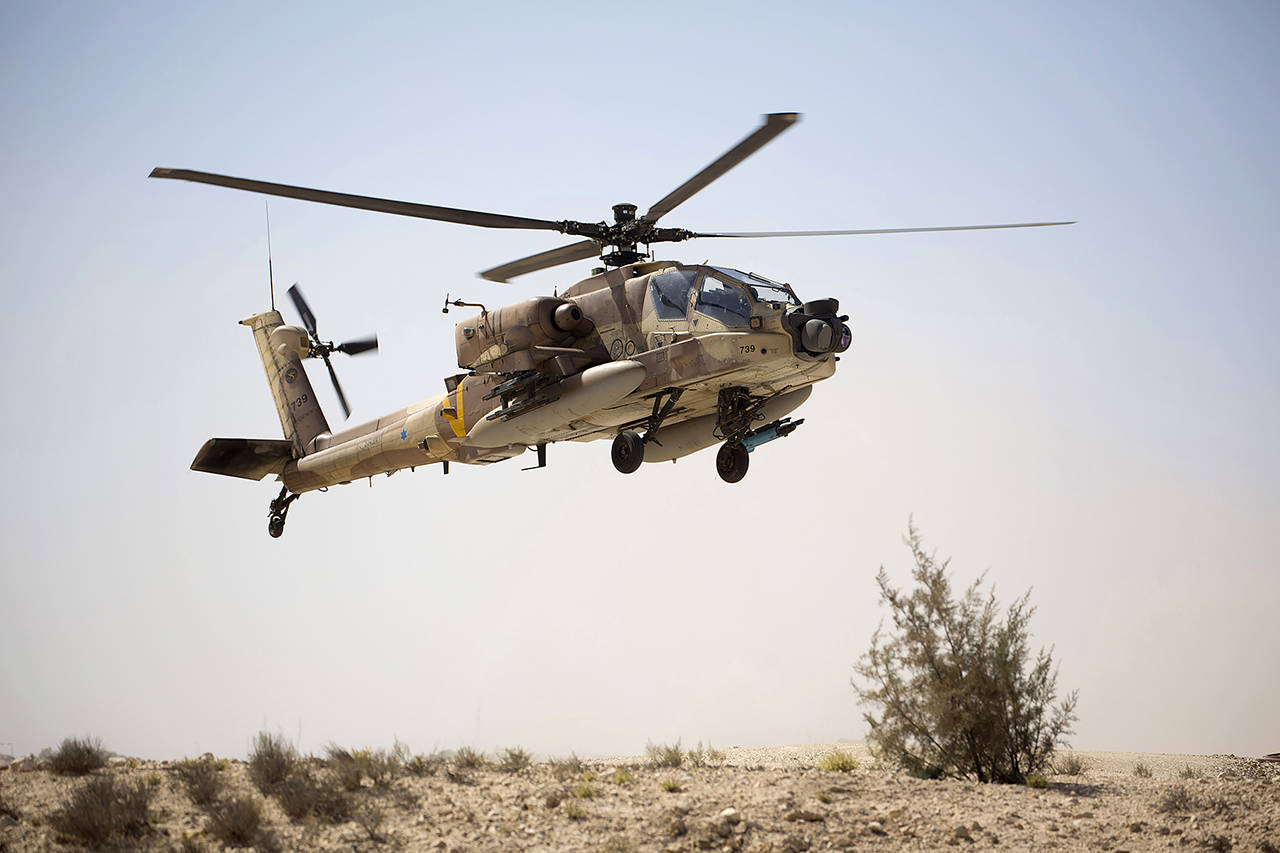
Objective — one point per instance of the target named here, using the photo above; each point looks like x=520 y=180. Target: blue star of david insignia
x=404 y=434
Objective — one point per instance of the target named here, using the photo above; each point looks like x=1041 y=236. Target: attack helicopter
x=661 y=358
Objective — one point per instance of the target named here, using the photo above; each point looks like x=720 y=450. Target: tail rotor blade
x=304 y=310
x=342 y=398
x=358 y=345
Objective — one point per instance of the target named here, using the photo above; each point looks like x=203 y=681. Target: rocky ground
x=751 y=799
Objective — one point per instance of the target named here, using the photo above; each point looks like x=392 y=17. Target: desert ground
x=751 y=799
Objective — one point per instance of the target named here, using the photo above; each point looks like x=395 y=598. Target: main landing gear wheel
x=628 y=451
x=732 y=461
x=276 y=526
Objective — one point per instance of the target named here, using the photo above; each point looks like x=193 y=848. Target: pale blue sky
x=1090 y=412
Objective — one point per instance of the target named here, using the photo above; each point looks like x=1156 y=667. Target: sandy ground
x=754 y=799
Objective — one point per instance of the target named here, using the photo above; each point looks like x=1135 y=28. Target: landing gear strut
x=736 y=411
x=278 y=511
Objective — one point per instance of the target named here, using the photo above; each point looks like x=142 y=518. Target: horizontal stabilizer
x=249 y=458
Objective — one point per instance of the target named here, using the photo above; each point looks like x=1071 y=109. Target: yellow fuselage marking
x=459 y=427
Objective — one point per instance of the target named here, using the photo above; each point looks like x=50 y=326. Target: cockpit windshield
x=762 y=289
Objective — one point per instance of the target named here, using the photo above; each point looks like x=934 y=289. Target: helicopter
x=661 y=358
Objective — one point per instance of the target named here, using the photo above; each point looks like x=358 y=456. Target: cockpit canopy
x=723 y=294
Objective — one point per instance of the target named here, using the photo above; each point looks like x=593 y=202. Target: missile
x=576 y=396
x=697 y=433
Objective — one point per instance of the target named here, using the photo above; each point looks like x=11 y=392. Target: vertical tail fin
x=280 y=348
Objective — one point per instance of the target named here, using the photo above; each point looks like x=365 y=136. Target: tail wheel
x=732 y=461
x=628 y=451
x=276 y=526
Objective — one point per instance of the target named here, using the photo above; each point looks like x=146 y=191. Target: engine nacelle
x=541 y=321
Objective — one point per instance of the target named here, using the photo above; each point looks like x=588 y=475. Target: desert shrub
x=584 y=791
x=1037 y=780
x=824 y=797
x=665 y=755
x=201 y=779
x=566 y=768
x=103 y=810
x=469 y=759
x=697 y=757
x=271 y=760
x=304 y=795
x=574 y=810
x=954 y=683
x=237 y=822
x=370 y=816
x=1189 y=772
x=78 y=756
x=1176 y=799
x=1142 y=771
x=622 y=776
x=838 y=761
x=1069 y=764
x=514 y=760
x=671 y=786
x=424 y=765
x=352 y=767
x=715 y=756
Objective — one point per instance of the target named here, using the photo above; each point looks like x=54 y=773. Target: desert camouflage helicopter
x=662 y=358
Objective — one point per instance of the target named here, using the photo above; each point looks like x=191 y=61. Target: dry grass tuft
x=1142 y=771
x=514 y=760
x=470 y=759
x=665 y=755
x=272 y=759
x=567 y=768
x=1189 y=772
x=78 y=756
x=1069 y=764
x=671 y=786
x=1175 y=800
x=353 y=766
x=103 y=810
x=425 y=765
x=838 y=761
x=237 y=822
x=202 y=780
x=574 y=810
x=1036 y=780
x=304 y=795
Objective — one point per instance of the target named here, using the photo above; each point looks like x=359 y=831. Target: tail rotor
x=323 y=349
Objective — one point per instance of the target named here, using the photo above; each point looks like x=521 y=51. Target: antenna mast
x=271 y=279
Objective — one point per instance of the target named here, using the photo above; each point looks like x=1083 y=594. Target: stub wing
x=248 y=458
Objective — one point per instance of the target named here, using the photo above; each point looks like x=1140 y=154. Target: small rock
x=803 y=814
x=7 y=821
x=876 y=828
x=961 y=831
x=1136 y=826
x=117 y=761
x=25 y=764
x=730 y=815
x=794 y=844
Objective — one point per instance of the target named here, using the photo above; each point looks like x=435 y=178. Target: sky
x=1090 y=413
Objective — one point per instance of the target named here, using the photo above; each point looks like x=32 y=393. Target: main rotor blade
x=358 y=345
x=542 y=260
x=304 y=310
x=875 y=230
x=381 y=205
x=342 y=398
x=774 y=124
